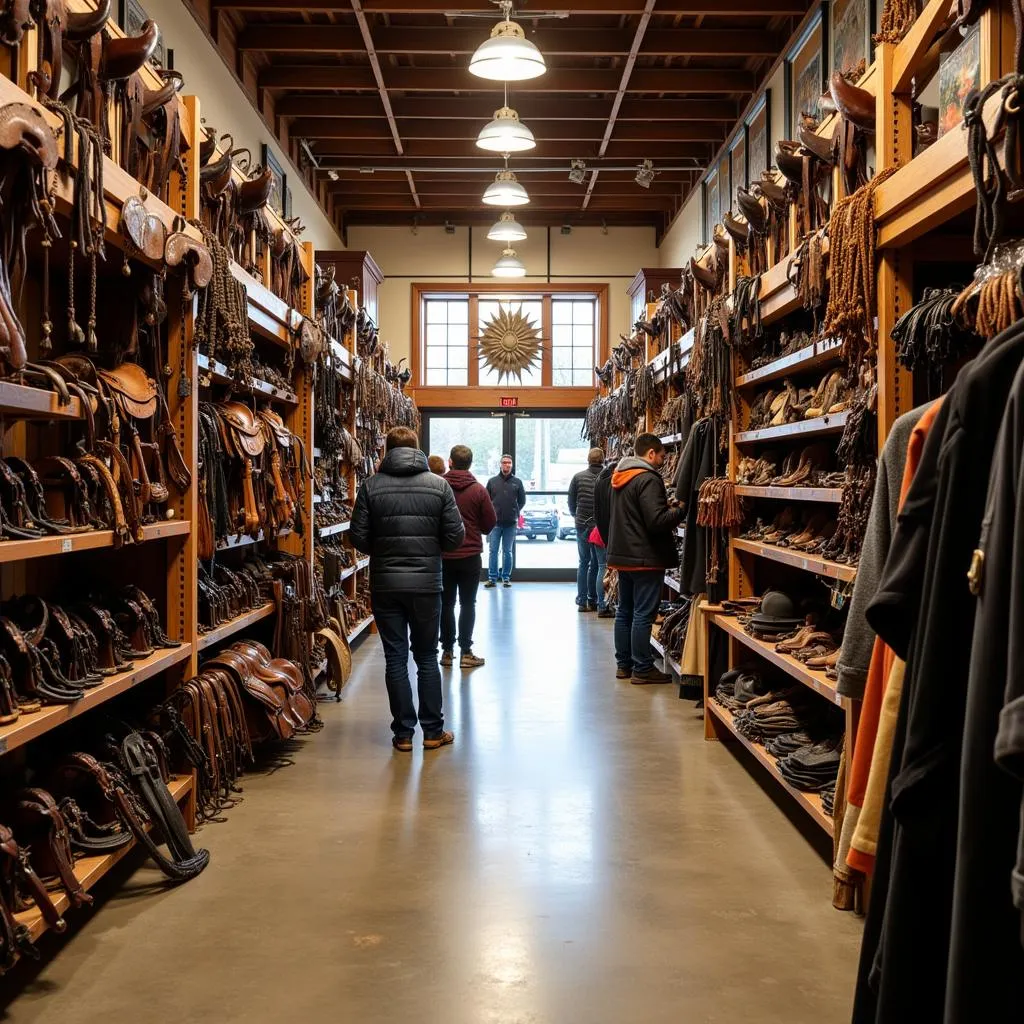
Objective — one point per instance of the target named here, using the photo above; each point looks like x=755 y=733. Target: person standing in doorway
x=461 y=569
x=508 y=496
x=581 y=508
x=641 y=547
x=404 y=518
x=601 y=532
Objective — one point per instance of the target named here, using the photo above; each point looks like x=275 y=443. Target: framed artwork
x=711 y=203
x=806 y=76
x=959 y=73
x=758 y=135
x=131 y=16
x=725 y=187
x=288 y=201
x=277 y=190
x=850 y=24
x=738 y=162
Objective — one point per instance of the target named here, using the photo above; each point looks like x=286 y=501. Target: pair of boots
x=467 y=660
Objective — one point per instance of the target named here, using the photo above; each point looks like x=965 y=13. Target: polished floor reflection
x=580 y=856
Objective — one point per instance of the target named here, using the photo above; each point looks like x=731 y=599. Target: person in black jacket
x=581 y=508
x=641 y=547
x=602 y=522
x=508 y=497
x=404 y=517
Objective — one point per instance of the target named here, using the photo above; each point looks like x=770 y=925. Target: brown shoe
x=470 y=660
x=623 y=671
x=444 y=740
x=652 y=675
x=402 y=743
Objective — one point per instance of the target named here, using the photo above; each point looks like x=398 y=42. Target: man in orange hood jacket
x=641 y=547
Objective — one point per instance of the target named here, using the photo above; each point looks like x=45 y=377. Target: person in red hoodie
x=461 y=569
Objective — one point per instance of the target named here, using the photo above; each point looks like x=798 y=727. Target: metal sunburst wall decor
x=510 y=344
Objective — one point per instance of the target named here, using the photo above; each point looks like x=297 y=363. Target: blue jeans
x=601 y=554
x=505 y=538
x=407 y=621
x=586 y=573
x=639 y=597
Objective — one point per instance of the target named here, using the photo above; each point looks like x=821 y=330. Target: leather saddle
x=856 y=108
x=244 y=435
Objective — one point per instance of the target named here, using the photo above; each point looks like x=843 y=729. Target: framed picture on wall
x=759 y=132
x=850 y=24
x=288 y=201
x=959 y=74
x=806 y=76
x=738 y=162
x=711 y=201
x=277 y=190
x=131 y=16
x=725 y=187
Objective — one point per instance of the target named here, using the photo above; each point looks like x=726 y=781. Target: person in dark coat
x=404 y=518
x=509 y=496
x=641 y=547
x=581 y=508
x=602 y=519
x=461 y=569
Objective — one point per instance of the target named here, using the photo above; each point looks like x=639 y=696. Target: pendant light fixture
x=509 y=265
x=506 y=229
x=505 y=190
x=505 y=133
x=508 y=56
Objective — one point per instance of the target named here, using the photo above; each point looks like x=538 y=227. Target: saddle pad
x=23 y=127
x=143 y=229
x=134 y=389
x=183 y=249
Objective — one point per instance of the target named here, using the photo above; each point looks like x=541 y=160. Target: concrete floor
x=580 y=855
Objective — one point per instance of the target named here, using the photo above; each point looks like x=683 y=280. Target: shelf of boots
x=797 y=670
x=810 y=802
x=833 y=495
x=239 y=622
x=820 y=425
x=89 y=870
x=671 y=665
x=816 y=356
x=32 y=725
x=360 y=628
x=21 y=550
x=260 y=388
x=809 y=563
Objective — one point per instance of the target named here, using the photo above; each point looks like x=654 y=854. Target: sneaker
x=402 y=743
x=470 y=660
x=623 y=671
x=606 y=613
x=583 y=607
x=490 y=585
x=444 y=740
x=507 y=583
x=446 y=659
x=651 y=675
x=590 y=607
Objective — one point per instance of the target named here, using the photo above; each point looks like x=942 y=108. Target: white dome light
x=509 y=265
x=508 y=56
x=505 y=190
x=506 y=229
x=505 y=134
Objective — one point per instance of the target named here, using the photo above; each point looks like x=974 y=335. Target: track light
x=645 y=174
x=333 y=175
x=505 y=190
x=566 y=229
x=506 y=229
x=578 y=172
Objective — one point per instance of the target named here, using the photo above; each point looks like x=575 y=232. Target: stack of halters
x=91 y=805
x=240 y=698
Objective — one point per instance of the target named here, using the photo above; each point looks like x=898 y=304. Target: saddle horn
x=855 y=104
x=84 y=25
x=123 y=57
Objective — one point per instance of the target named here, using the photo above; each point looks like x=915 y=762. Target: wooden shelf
x=260 y=388
x=778 y=297
x=21 y=550
x=89 y=870
x=269 y=316
x=673 y=584
x=31 y=726
x=816 y=427
x=239 y=622
x=329 y=531
x=797 y=670
x=245 y=539
x=811 y=357
x=810 y=802
x=809 y=563
x=829 y=494
x=21 y=401
x=667 y=660
x=360 y=628
x=362 y=564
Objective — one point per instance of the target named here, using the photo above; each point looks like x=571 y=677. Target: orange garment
x=882 y=660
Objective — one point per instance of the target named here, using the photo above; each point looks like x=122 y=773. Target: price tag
x=65 y=545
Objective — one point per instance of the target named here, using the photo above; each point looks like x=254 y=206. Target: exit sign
x=509 y=401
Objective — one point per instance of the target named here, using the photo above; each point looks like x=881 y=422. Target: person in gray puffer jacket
x=404 y=518
x=581 y=508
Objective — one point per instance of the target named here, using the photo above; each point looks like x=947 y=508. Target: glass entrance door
x=547 y=451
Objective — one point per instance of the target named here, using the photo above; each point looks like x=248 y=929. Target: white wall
x=588 y=255
x=223 y=104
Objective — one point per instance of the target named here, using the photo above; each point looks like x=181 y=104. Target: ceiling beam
x=692 y=8
x=353 y=151
x=270 y=38
x=587 y=131
x=357 y=201
x=472 y=188
x=463 y=218
x=531 y=108
x=557 y=80
x=627 y=71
